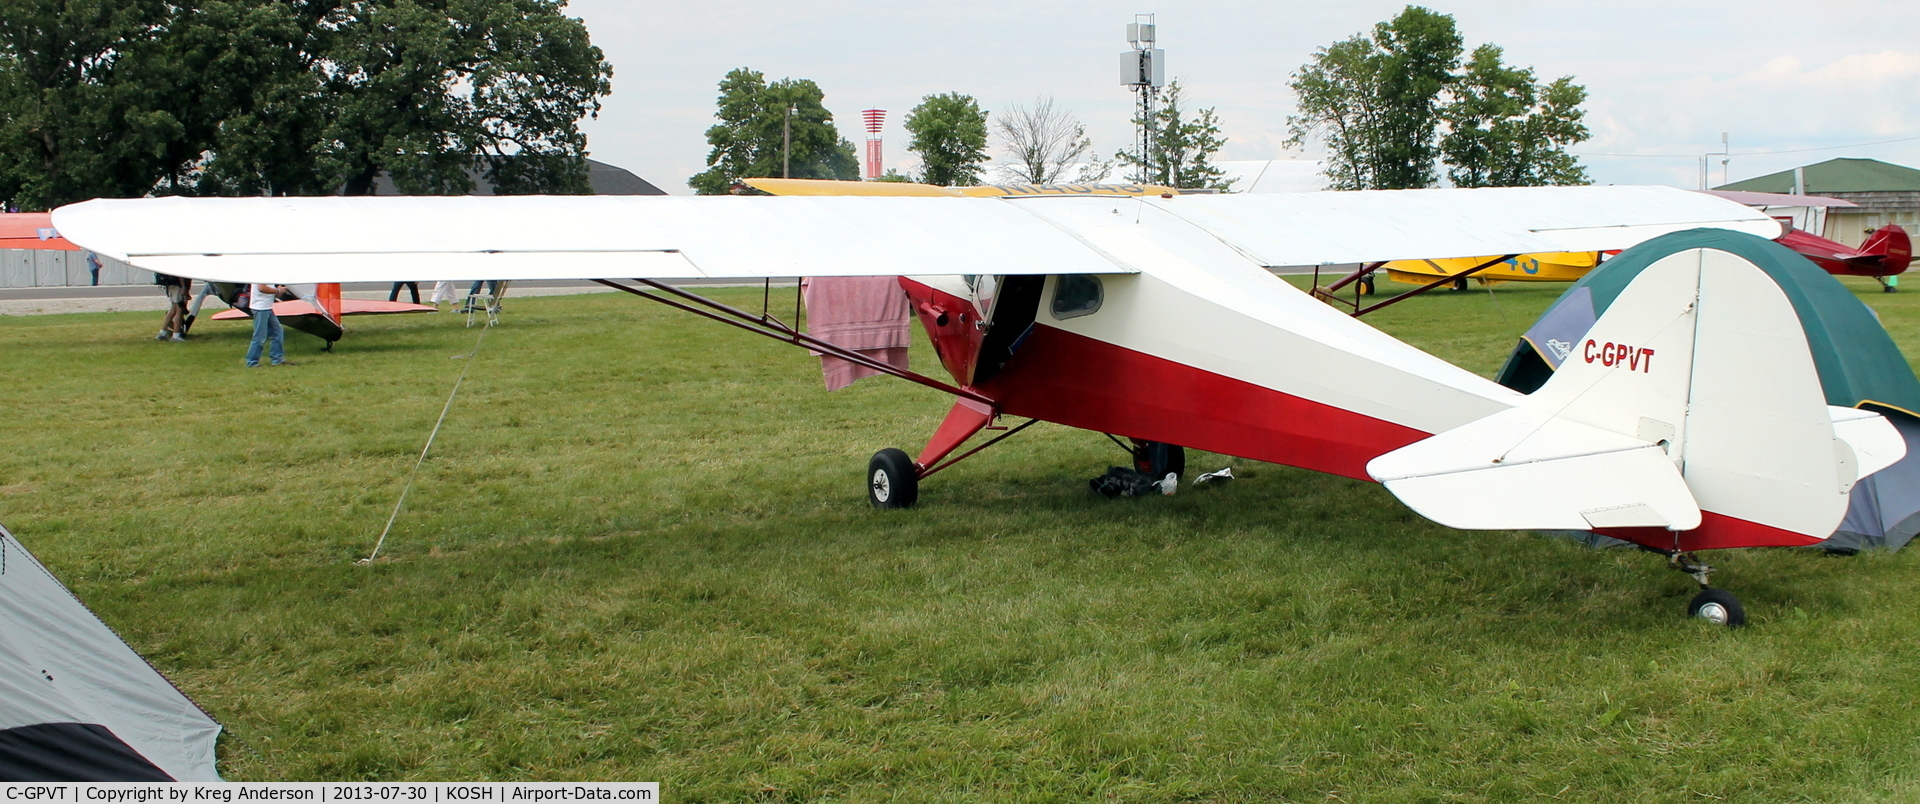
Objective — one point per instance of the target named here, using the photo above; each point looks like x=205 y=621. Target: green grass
x=640 y=552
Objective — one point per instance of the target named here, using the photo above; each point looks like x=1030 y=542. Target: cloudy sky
x=1665 y=79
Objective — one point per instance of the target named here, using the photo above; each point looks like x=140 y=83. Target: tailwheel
x=1718 y=606
x=892 y=479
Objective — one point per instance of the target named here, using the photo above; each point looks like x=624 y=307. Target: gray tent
x=77 y=704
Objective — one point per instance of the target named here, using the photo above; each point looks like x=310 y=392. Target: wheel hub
x=882 y=488
x=1714 y=613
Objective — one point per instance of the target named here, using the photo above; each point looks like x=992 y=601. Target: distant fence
x=38 y=268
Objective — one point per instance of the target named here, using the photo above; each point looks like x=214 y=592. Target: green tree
x=1375 y=101
x=1505 y=129
x=125 y=98
x=950 y=135
x=426 y=88
x=66 y=131
x=254 y=121
x=750 y=139
x=1183 y=149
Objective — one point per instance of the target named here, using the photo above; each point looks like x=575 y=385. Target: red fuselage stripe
x=1082 y=382
x=1716 y=532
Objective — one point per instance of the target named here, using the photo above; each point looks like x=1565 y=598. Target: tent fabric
x=70 y=689
x=1857 y=362
x=1884 y=510
x=72 y=752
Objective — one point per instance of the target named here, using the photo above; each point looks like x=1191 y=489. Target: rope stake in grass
x=423 y=450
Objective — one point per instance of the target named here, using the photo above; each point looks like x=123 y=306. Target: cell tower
x=874 y=118
x=1144 y=70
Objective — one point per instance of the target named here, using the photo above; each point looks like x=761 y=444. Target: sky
x=1664 y=79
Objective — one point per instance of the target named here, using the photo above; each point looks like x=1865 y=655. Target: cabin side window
x=1075 y=295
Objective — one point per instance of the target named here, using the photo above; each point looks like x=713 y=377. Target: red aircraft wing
x=31 y=230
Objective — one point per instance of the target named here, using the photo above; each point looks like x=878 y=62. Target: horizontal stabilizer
x=1547 y=474
x=1865 y=442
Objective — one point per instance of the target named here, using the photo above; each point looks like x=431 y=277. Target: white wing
x=585 y=237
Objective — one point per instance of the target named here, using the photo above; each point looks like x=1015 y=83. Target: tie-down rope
x=423 y=450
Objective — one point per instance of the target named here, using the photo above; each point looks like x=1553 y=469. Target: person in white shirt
x=266 y=326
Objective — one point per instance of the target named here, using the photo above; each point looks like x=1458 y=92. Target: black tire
x=892 y=480
x=1460 y=283
x=1155 y=459
x=1718 y=606
x=1366 y=286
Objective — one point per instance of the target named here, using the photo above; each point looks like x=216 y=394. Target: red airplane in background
x=1886 y=252
x=31 y=230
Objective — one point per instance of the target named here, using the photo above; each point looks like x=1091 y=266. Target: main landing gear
x=1717 y=606
x=892 y=479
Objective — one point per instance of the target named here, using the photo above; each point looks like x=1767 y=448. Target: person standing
x=266 y=326
x=412 y=287
x=176 y=288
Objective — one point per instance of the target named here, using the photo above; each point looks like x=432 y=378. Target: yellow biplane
x=1559 y=266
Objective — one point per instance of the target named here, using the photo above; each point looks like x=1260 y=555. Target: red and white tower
x=874 y=118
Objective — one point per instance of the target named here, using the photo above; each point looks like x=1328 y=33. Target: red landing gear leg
x=893 y=481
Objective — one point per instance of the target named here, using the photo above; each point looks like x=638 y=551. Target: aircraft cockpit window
x=1075 y=295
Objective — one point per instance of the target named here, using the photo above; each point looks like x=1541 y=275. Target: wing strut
x=767 y=325
x=1327 y=292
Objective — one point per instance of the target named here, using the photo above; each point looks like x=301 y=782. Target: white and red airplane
x=1699 y=422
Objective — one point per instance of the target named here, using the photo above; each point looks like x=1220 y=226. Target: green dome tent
x=1858 y=364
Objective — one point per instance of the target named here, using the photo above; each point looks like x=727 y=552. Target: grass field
x=640 y=552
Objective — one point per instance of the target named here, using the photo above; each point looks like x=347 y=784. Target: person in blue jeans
x=266 y=326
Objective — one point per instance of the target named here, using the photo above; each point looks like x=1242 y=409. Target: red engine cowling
x=954 y=324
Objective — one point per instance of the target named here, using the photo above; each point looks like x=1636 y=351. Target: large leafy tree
x=751 y=138
x=1183 y=148
x=1506 y=129
x=254 y=118
x=129 y=97
x=950 y=135
x=1375 y=101
x=429 y=86
x=1379 y=104
x=66 y=129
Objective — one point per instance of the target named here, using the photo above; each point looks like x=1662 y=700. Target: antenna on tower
x=1144 y=70
x=874 y=118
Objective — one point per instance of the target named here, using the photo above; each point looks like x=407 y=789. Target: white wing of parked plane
x=671 y=237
